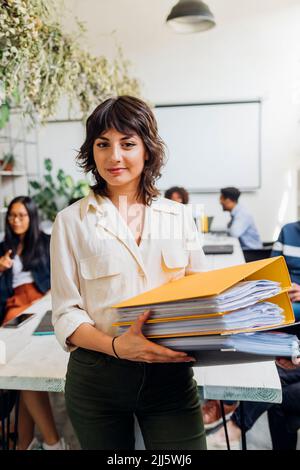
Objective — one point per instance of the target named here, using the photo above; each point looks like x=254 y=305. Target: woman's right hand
x=294 y=293
x=5 y=261
x=134 y=346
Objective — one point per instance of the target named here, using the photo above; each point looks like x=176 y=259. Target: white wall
x=253 y=52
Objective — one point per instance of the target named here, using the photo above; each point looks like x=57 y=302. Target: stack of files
x=247 y=297
x=262 y=314
x=239 y=299
x=236 y=348
x=242 y=295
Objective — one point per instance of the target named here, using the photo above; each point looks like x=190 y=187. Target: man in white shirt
x=241 y=225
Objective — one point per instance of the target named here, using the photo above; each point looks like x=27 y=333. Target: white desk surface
x=223 y=261
x=42 y=364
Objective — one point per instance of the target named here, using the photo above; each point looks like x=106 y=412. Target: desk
x=223 y=261
x=42 y=365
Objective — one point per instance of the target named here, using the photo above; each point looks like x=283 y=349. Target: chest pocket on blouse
x=102 y=277
x=174 y=261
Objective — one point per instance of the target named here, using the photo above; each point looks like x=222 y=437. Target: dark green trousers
x=103 y=394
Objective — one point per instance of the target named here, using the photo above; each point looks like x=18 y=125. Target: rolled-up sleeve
x=67 y=306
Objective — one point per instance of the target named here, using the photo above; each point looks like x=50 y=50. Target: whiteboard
x=211 y=145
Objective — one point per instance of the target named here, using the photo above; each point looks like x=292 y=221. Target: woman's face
x=18 y=218
x=176 y=197
x=119 y=159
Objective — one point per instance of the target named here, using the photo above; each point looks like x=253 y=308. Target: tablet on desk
x=45 y=326
x=18 y=321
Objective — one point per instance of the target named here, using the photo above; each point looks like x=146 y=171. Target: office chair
x=8 y=400
x=254 y=255
x=268 y=244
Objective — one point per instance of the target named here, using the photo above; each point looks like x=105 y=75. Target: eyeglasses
x=21 y=217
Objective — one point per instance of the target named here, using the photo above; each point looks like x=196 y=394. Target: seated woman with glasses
x=24 y=259
x=24 y=278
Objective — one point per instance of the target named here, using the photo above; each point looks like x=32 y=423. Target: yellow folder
x=213 y=283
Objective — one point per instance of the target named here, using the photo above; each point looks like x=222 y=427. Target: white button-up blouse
x=96 y=262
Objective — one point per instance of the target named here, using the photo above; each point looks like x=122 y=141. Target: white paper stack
x=242 y=295
x=235 y=349
x=273 y=344
x=258 y=315
x=242 y=307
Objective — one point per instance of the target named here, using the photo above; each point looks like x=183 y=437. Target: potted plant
x=7 y=162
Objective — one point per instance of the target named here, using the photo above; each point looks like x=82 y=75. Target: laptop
x=218 y=249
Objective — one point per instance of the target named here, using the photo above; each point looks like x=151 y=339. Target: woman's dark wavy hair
x=127 y=115
x=35 y=249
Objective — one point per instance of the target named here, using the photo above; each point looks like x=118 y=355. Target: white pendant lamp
x=190 y=16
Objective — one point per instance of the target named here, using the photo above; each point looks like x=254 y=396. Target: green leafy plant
x=55 y=193
x=4 y=114
x=6 y=102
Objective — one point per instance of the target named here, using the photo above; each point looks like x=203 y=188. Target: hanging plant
x=44 y=63
x=4 y=114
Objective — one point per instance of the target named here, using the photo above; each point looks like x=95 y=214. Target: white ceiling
x=136 y=21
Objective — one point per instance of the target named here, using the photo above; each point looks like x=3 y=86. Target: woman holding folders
x=24 y=278
x=115 y=243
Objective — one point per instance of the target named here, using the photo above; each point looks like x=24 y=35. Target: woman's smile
x=116 y=171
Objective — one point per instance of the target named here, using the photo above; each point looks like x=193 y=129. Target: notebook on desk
x=218 y=249
x=45 y=326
